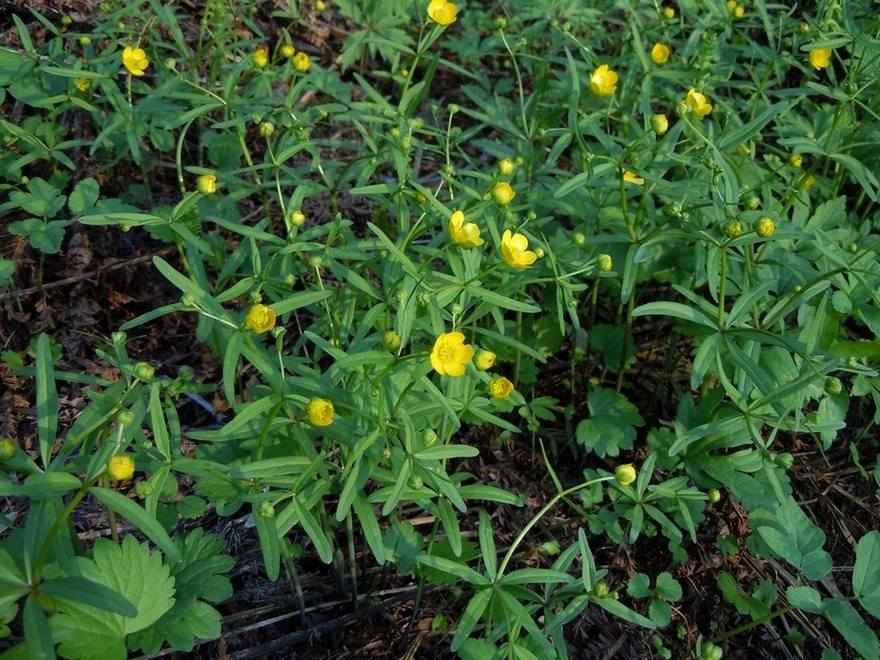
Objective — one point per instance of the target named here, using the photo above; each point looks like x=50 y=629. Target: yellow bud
x=120 y=467
x=207 y=184
x=625 y=474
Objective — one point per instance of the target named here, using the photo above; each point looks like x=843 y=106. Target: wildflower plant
x=523 y=221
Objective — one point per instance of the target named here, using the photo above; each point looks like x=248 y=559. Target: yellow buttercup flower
x=260 y=319
x=625 y=474
x=484 y=360
x=500 y=388
x=697 y=104
x=261 y=59
x=502 y=193
x=660 y=53
x=515 y=250
x=207 y=184
x=820 y=58
x=632 y=177
x=120 y=467
x=451 y=354
x=669 y=12
x=301 y=62
x=83 y=84
x=796 y=160
x=135 y=60
x=442 y=12
x=603 y=81
x=466 y=234
x=320 y=412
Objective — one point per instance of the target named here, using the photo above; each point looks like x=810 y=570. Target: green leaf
x=611 y=425
x=675 y=310
x=668 y=587
x=737 y=137
x=853 y=628
x=456 y=569
x=198 y=580
x=140 y=518
x=269 y=543
x=47 y=399
x=621 y=611
x=639 y=586
x=866 y=573
x=442 y=452
x=805 y=598
x=536 y=576
x=37 y=631
x=798 y=540
x=84 y=196
x=471 y=617
x=130 y=570
x=81 y=590
x=41 y=485
x=7 y=270
x=487 y=543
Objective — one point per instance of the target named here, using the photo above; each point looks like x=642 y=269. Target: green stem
x=534 y=521
x=752 y=624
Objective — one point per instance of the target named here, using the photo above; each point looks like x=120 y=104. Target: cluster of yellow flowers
x=450 y=356
x=514 y=247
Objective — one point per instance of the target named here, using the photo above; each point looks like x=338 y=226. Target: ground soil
x=102 y=278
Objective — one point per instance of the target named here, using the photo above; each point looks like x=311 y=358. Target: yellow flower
x=502 y=193
x=796 y=160
x=320 y=412
x=500 y=388
x=805 y=181
x=207 y=184
x=135 y=60
x=391 y=341
x=669 y=12
x=260 y=319
x=820 y=58
x=287 y=51
x=625 y=474
x=297 y=218
x=442 y=12
x=451 y=354
x=738 y=12
x=660 y=124
x=660 y=53
x=697 y=103
x=301 y=62
x=603 y=81
x=632 y=177
x=120 y=467
x=484 y=360
x=506 y=166
x=261 y=59
x=466 y=234
x=515 y=250
x=83 y=84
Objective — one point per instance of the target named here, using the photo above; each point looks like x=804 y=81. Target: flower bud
x=604 y=262
x=506 y=166
x=784 y=460
x=502 y=193
x=733 y=228
x=391 y=341
x=484 y=360
x=118 y=338
x=287 y=51
x=267 y=510
x=429 y=437
x=85 y=41
x=143 y=489
x=120 y=467
x=625 y=474
x=261 y=59
x=266 y=129
x=207 y=184
x=659 y=124
x=301 y=62
x=125 y=417
x=297 y=218
x=765 y=227
x=8 y=449
x=710 y=651
x=714 y=495
x=601 y=590
x=833 y=385
x=144 y=371
x=578 y=238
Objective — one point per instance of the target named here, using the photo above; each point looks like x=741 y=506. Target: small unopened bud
x=144 y=371
x=765 y=227
x=833 y=385
x=391 y=341
x=733 y=228
x=266 y=129
x=604 y=262
x=625 y=474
